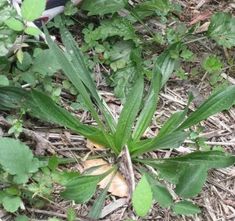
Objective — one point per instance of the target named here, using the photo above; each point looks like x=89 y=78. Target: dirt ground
x=217 y=200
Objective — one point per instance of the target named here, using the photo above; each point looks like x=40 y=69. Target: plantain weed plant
x=124 y=135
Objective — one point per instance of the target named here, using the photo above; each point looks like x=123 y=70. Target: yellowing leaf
x=118 y=187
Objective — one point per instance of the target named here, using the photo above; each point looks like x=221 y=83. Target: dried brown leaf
x=118 y=186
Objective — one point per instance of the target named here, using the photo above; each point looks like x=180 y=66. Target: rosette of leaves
x=187 y=172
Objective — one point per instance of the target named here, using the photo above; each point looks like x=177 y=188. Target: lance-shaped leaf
x=166 y=63
x=77 y=60
x=172 y=140
x=191 y=181
x=142 y=197
x=175 y=120
x=186 y=208
x=189 y=172
x=98 y=205
x=43 y=107
x=219 y=101
x=150 y=105
x=71 y=73
x=128 y=114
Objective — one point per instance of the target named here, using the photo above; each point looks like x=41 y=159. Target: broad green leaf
x=151 y=7
x=172 y=140
x=191 y=181
x=102 y=7
x=177 y=168
x=71 y=73
x=11 y=203
x=30 y=11
x=128 y=114
x=34 y=31
x=186 y=208
x=116 y=26
x=142 y=197
x=219 y=101
x=98 y=205
x=64 y=177
x=149 y=106
x=14 y=24
x=22 y=218
x=24 y=163
x=160 y=192
x=84 y=74
x=47 y=58
x=222 y=29
x=81 y=188
x=4 y=80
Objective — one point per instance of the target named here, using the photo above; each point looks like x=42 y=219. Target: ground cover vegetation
x=54 y=83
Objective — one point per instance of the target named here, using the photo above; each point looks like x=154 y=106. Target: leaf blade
x=142 y=193
x=129 y=113
x=221 y=100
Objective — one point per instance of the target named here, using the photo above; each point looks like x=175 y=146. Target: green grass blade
x=221 y=100
x=172 y=140
x=71 y=73
x=150 y=105
x=84 y=74
x=128 y=114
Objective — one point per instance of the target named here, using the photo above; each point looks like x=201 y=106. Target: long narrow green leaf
x=149 y=106
x=71 y=73
x=128 y=114
x=175 y=120
x=172 y=140
x=85 y=75
x=221 y=100
x=212 y=159
x=98 y=205
x=166 y=63
x=43 y=107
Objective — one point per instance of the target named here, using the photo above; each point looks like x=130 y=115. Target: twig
x=127 y=169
